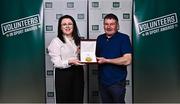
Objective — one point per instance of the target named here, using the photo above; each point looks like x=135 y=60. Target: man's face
x=110 y=26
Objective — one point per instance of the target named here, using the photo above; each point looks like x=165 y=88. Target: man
x=114 y=53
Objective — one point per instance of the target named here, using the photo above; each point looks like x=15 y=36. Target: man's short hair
x=111 y=16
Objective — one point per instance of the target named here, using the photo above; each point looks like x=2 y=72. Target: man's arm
x=124 y=60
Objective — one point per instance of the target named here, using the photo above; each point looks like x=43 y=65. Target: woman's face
x=67 y=26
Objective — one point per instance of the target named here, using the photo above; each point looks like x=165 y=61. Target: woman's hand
x=74 y=62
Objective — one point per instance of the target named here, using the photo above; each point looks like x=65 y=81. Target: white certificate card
x=87 y=51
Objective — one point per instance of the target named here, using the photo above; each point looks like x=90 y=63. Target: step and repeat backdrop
x=53 y=10
x=97 y=10
x=89 y=16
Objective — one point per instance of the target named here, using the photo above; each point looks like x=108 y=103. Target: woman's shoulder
x=56 y=40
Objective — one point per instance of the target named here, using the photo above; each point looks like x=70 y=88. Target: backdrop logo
x=20 y=26
x=159 y=24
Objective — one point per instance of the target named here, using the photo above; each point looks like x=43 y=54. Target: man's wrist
x=108 y=61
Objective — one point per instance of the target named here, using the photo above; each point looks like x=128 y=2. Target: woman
x=64 y=50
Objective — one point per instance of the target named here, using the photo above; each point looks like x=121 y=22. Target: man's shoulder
x=122 y=35
x=101 y=36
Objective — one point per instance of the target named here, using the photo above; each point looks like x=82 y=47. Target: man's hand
x=101 y=60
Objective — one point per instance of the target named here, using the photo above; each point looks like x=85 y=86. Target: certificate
x=87 y=51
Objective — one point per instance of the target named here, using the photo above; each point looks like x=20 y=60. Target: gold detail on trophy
x=88 y=59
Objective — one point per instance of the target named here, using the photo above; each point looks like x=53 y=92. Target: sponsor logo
x=157 y=25
x=20 y=26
